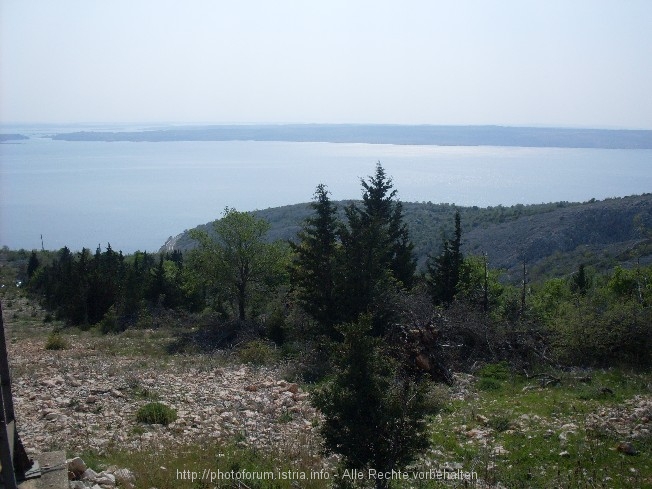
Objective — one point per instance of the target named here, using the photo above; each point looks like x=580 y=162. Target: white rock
x=125 y=478
x=105 y=479
x=89 y=475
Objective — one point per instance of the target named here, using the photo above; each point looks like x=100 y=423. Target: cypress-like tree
x=381 y=206
x=376 y=249
x=32 y=265
x=443 y=271
x=374 y=413
x=581 y=282
x=314 y=265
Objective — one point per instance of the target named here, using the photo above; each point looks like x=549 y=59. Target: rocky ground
x=82 y=399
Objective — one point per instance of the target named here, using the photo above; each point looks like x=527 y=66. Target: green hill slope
x=552 y=238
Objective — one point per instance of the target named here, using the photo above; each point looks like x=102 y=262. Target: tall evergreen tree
x=580 y=282
x=381 y=206
x=443 y=271
x=314 y=265
x=377 y=253
x=32 y=265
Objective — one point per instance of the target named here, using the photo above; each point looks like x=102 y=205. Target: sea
x=134 y=195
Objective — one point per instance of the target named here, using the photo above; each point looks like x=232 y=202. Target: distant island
x=11 y=137
x=385 y=134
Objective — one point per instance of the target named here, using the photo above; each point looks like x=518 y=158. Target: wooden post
x=13 y=457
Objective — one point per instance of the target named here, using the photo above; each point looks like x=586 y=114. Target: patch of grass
x=258 y=352
x=500 y=423
x=132 y=344
x=285 y=417
x=156 y=413
x=164 y=468
x=139 y=391
x=489 y=384
x=540 y=437
x=497 y=371
x=56 y=342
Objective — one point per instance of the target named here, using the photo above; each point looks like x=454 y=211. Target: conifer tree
x=314 y=265
x=580 y=282
x=381 y=206
x=376 y=250
x=32 y=265
x=443 y=271
x=374 y=413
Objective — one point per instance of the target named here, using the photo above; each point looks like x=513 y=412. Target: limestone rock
x=125 y=478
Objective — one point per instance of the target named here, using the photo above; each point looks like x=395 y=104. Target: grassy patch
x=520 y=434
x=56 y=341
x=258 y=352
x=173 y=468
x=156 y=413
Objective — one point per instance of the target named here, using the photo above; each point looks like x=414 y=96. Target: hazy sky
x=523 y=62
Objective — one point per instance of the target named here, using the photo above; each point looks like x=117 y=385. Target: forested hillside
x=552 y=238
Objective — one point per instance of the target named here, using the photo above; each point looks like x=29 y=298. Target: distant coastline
x=11 y=137
x=385 y=134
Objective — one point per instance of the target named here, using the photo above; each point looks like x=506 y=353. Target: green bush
x=258 y=352
x=497 y=371
x=109 y=323
x=500 y=423
x=489 y=384
x=56 y=342
x=156 y=413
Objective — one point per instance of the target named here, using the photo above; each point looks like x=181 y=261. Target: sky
x=568 y=63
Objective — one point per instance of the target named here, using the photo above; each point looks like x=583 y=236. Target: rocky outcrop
x=82 y=477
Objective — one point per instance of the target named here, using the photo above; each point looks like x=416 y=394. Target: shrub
x=156 y=413
x=56 y=342
x=258 y=352
x=488 y=384
x=109 y=323
x=497 y=371
x=500 y=423
x=373 y=415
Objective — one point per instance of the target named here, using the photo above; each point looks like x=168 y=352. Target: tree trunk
x=241 y=302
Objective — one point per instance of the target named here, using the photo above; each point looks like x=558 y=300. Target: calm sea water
x=135 y=195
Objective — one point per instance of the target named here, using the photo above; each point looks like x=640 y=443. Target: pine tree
x=443 y=271
x=32 y=265
x=381 y=206
x=376 y=251
x=580 y=282
x=314 y=266
x=374 y=413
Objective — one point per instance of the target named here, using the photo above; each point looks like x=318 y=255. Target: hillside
x=553 y=238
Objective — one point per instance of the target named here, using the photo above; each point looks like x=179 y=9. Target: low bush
x=156 y=413
x=56 y=342
x=488 y=384
x=497 y=371
x=258 y=352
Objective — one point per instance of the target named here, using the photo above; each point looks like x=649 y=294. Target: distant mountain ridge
x=385 y=134
x=552 y=238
